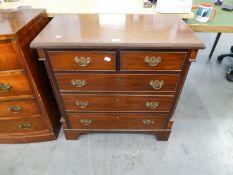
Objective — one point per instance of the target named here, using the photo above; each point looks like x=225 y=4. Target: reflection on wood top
x=117 y=30
x=13 y=20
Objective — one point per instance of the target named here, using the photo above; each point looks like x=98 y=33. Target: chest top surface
x=13 y=20
x=117 y=30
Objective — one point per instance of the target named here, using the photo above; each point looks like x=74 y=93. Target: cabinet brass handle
x=151 y=104
x=78 y=83
x=86 y=121
x=152 y=61
x=5 y=87
x=15 y=109
x=148 y=122
x=156 y=84
x=82 y=104
x=25 y=125
x=82 y=61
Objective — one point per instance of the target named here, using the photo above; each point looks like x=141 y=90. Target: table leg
x=214 y=45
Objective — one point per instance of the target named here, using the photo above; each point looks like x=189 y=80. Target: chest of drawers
x=123 y=76
x=28 y=110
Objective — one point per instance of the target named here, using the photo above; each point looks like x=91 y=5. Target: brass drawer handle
x=86 y=121
x=5 y=87
x=82 y=61
x=156 y=84
x=148 y=122
x=82 y=104
x=15 y=109
x=78 y=83
x=25 y=125
x=152 y=61
x=151 y=104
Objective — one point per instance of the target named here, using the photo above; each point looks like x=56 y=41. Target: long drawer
x=9 y=60
x=18 y=108
x=117 y=121
x=152 y=61
x=14 y=84
x=116 y=103
x=20 y=125
x=117 y=82
x=82 y=60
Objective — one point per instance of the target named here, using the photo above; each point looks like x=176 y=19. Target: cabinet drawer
x=152 y=61
x=117 y=121
x=114 y=103
x=26 y=124
x=8 y=57
x=18 y=108
x=14 y=84
x=82 y=60
x=117 y=82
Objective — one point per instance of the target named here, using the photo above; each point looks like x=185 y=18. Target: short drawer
x=18 y=108
x=152 y=61
x=117 y=103
x=21 y=125
x=82 y=60
x=9 y=59
x=117 y=82
x=14 y=84
x=117 y=121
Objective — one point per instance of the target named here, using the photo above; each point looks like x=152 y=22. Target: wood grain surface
x=117 y=82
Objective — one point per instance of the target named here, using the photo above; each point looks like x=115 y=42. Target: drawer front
x=26 y=124
x=117 y=103
x=14 y=85
x=117 y=121
x=8 y=57
x=114 y=82
x=82 y=60
x=152 y=61
x=18 y=108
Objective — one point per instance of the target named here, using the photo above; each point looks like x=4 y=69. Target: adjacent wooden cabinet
x=28 y=110
x=117 y=73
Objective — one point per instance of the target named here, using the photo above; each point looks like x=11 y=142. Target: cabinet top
x=116 y=31
x=14 y=20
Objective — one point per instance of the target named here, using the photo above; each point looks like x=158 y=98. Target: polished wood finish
x=15 y=125
x=65 y=61
x=138 y=92
x=9 y=57
x=116 y=121
x=135 y=61
x=116 y=82
x=28 y=107
x=116 y=103
x=130 y=31
x=28 y=111
x=19 y=85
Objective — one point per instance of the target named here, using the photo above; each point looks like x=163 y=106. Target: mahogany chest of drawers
x=117 y=73
x=28 y=110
